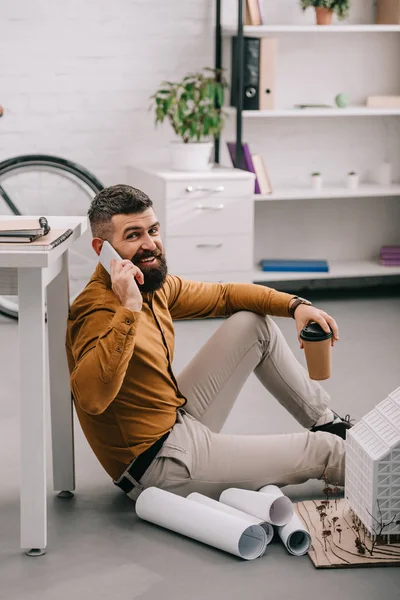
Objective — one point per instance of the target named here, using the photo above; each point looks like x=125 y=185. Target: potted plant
x=324 y=9
x=316 y=181
x=352 y=180
x=193 y=108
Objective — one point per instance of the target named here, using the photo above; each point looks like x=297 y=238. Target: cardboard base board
x=338 y=549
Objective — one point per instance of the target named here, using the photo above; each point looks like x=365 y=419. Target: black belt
x=139 y=466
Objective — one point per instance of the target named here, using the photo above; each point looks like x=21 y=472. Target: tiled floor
x=99 y=549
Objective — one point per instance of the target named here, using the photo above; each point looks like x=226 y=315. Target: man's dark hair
x=115 y=200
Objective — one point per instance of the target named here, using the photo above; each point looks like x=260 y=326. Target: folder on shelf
x=247 y=161
x=267 y=71
x=305 y=266
x=259 y=73
x=261 y=174
x=253 y=14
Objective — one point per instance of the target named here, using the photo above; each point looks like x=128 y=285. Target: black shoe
x=336 y=427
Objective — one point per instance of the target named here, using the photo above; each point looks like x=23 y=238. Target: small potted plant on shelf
x=193 y=108
x=316 y=180
x=324 y=9
x=352 y=180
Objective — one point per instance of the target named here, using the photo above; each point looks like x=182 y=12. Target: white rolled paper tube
x=295 y=536
x=273 y=508
x=201 y=523
x=268 y=528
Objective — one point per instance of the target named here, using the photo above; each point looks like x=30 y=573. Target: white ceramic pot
x=353 y=181
x=193 y=156
x=316 y=182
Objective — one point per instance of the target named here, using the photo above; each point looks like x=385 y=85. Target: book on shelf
x=247 y=161
x=45 y=242
x=295 y=265
x=253 y=12
x=259 y=73
x=261 y=174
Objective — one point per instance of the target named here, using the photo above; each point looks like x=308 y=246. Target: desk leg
x=62 y=432
x=31 y=330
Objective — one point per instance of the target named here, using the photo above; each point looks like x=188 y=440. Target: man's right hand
x=123 y=275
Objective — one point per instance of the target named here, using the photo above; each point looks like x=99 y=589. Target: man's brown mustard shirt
x=125 y=393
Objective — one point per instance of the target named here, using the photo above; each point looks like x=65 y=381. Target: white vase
x=193 y=156
x=316 y=182
x=353 y=181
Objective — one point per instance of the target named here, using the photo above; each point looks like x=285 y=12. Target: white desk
x=40 y=272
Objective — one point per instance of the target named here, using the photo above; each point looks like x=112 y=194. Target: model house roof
x=379 y=431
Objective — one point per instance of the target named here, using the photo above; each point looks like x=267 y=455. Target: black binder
x=251 y=73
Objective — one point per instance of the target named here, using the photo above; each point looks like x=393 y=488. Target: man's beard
x=154 y=275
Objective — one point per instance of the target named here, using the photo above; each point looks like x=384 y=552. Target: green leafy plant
x=340 y=7
x=192 y=106
x=316 y=174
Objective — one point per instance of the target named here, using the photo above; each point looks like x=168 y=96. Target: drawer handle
x=199 y=188
x=209 y=245
x=203 y=207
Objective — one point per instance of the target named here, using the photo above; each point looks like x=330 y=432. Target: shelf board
x=307 y=193
x=352 y=111
x=338 y=270
x=261 y=30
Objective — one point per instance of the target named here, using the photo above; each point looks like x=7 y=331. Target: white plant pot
x=353 y=182
x=316 y=182
x=193 y=156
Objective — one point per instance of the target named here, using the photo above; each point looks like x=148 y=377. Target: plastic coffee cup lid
x=313 y=332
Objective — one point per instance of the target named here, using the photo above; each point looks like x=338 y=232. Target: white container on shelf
x=193 y=156
x=353 y=180
x=316 y=181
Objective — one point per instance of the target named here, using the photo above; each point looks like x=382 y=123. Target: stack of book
x=253 y=163
x=390 y=256
x=21 y=233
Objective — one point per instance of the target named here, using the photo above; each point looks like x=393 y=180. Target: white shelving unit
x=307 y=193
x=344 y=226
x=351 y=111
x=262 y=30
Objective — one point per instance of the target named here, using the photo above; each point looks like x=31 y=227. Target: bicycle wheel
x=39 y=184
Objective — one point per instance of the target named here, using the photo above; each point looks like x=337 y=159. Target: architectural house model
x=372 y=485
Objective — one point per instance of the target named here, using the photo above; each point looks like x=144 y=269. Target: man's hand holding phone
x=123 y=275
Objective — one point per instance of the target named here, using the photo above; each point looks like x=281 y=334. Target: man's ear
x=97 y=244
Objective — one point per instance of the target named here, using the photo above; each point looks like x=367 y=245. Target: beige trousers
x=196 y=457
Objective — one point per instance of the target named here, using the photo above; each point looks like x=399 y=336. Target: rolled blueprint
x=295 y=536
x=274 y=508
x=202 y=523
x=268 y=528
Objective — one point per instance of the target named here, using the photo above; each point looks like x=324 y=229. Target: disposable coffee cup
x=317 y=348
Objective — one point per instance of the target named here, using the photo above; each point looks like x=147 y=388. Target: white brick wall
x=76 y=76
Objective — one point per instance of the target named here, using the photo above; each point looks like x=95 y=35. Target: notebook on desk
x=45 y=242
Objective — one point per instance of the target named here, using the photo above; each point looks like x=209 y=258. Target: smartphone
x=107 y=253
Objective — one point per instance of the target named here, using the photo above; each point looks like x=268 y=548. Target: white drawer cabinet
x=207 y=220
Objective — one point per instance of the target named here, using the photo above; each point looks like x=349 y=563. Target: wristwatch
x=296 y=303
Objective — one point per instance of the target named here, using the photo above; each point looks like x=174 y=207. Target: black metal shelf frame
x=239 y=82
